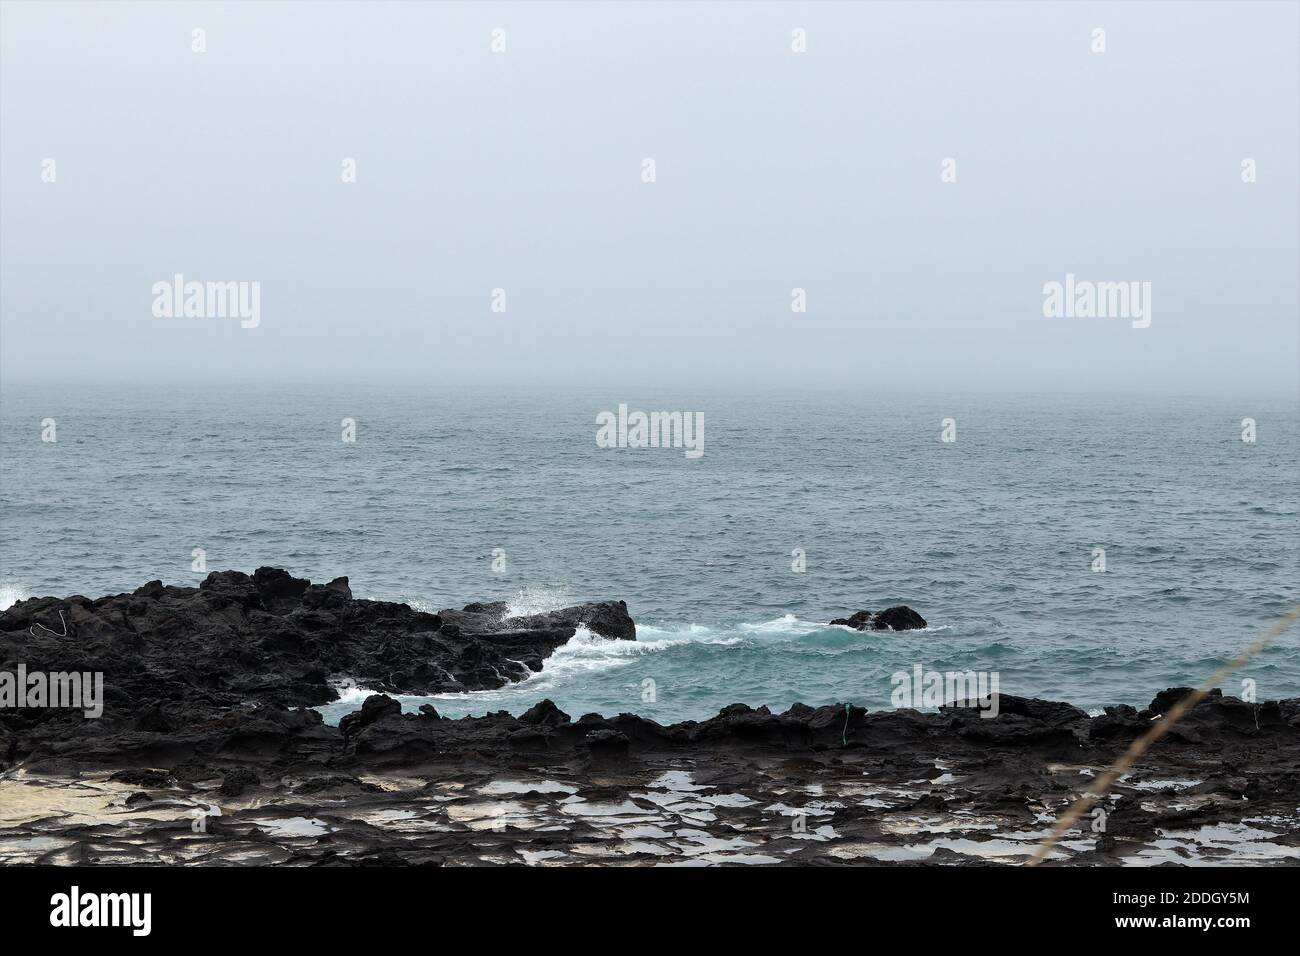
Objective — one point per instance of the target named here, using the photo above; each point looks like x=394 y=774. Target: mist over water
x=990 y=537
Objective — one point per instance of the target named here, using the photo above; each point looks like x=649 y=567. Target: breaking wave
x=11 y=594
x=538 y=600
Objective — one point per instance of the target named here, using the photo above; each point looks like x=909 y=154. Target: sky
x=523 y=169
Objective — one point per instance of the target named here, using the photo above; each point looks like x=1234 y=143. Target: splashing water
x=991 y=538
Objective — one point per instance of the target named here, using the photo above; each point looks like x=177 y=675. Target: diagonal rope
x=1158 y=730
x=32 y=629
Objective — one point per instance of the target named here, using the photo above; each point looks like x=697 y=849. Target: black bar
x=325 y=905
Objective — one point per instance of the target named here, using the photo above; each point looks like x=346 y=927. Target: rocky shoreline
x=208 y=752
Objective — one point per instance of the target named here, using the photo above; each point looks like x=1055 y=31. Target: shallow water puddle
x=994 y=850
x=28 y=849
x=1217 y=843
x=1160 y=784
x=727 y=800
x=678 y=780
x=394 y=784
x=700 y=841
x=535 y=857
x=749 y=859
x=595 y=808
x=401 y=820
x=493 y=815
x=921 y=824
x=501 y=787
x=643 y=833
x=81 y=802
x=812 y=810
x=820 y=834
x=292 y=826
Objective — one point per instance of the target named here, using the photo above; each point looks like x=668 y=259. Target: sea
x=1088 y=548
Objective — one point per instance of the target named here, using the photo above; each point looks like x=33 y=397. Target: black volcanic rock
x=237 y=781
x=1050 y=712
x=176 y=657
x=898 y=618
x=608 y=619
x=373 y=708
x=1166 y=699
x=208 y=696
x=607 y=746
x=545 y=713
x=859 y=621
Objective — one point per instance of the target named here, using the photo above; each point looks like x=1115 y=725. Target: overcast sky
x=775 y=170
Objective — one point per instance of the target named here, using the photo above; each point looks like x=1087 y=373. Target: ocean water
x=990 y=537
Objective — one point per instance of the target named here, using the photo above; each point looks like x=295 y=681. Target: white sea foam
x=688 y=630
x=586 y=654
x=916 y=630
x=538 y=600
x=785 y=624
x=587 y=645
x=415 y=604
x=581 y=656
x=11 y=594
x=526 y=602
x=351 y=693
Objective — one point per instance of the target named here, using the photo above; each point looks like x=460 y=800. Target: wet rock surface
x=272 y=638
x=208 y=753
x=899 y=618
x=810 y=785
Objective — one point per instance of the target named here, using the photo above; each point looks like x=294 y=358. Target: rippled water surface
x=991 y=537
